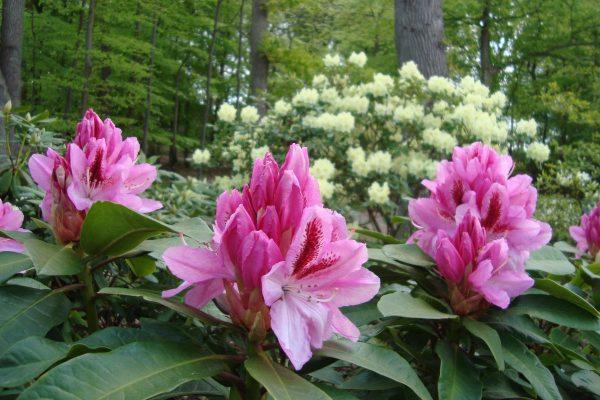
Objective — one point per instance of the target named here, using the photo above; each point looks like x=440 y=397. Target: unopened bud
x=7 y=107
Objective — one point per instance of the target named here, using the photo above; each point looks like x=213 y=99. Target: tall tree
x=88 y=56
x=211 y=53
x=259 y=63
x=69 y=91
x=419 y=34
x=12 y=44
x=238 y=68
x=486 y=70
x=149 y=86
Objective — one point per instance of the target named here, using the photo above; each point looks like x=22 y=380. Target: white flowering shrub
x=373 y=136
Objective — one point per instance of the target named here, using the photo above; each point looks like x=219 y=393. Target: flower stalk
x=88 y=295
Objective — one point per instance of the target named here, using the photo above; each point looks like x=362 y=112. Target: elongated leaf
x=11 y=263
x=518 y=356
x=489 y=336
x=206 y=387
x=111 y=229
x=135 y=371
x=50 y=259
x=280 y=382
x=142 y=265
x=195 y=228
x=387 y=239
x=409 y=254
x=155 y=297
x=551 y=260
x=588 y=380
x=555 y=310
x=28 y=358
x=458 y=378
x=29 y=312
x=336 y=394
x=402 y=304
x=377 y=359
x=557 y=290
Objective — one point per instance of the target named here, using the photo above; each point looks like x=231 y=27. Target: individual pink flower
x=477 y=270
x=321 y=273
x=477 y=180
x=587 y=234
x=11 y=220
x=98 y=166
x=261 y=230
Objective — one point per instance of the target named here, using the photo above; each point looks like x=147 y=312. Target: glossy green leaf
x=194 y=228
x=135 y=371
x=387 y=239
x=12 y=263
x=142 y=265
x=29 y=358
x=458 y=378
x=551 y=260
x=112 y=229
x=554 y=310
x=29 y=312
x=53 y=260
x=561 y=292
x=489 y=336
x=378 y=359
x=409 y=254
x=402 y=304
x=206 y=387
x=588 y=380
x=282 y=383
x=518 y=356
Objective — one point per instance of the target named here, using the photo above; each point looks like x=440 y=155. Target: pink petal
x=194 y=264
x=40 y=168
x=204 y=292
x=273 y=282
x=259 y=254
x=449 y=261
x=175 y=291
x=140 y=178
x=356 y=288
x=12 y=245
x=343 y=326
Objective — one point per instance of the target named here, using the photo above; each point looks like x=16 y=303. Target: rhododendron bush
x=115 y=288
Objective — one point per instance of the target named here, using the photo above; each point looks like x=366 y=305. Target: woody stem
x=89 y=293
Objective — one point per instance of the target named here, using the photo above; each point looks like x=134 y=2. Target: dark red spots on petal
x=458 y=191
x=96 y=168
x=322 y=264
x=311 y=245
x=494 y=211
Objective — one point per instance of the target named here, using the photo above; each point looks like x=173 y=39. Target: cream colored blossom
x=320 y=80
x=379 y=162
x=329 y=95
x=323 y=169
x=379 y=194
x=259 y=152
x=226 y=113
x=440 y=85
x=332 y=60
x=201 y=156
x=527 y=127
x=358 y=59
x=538 y=152
x=327 y=188
x=357 y=104
x=306 y=96
x=411 y=112
x=249 y=115
x=410 y=71
x=282 y=107
x=439 y=140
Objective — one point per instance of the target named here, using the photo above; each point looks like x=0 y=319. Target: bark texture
x=12 y=44
x=486 y=70
x=419 y=35
x=87 y=71
x=149 y=87
x=259 y=63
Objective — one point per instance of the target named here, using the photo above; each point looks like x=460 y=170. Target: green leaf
x=387 y=239
x=489 y=336
x=142 y=265
x=518 y=356
x=194 y=228
x=52 y=260
x=378 y=359
x=280 y=382
x=561 y=292
x=588 y=380
x=27 y=282
x=155 y=297
x=206 y=387
x=29 y=312
x=111 y=229
x=12 y=263
x=29 y=358
x=551 y=260
x=138 y=370
x=554 y=310
x=458 y=378
x=409 y=254
x=402 y=304
x=336 y=394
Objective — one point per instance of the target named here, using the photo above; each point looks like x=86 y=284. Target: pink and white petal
x=291 y=330
x=11 y=245
x=140 y=178
x=193 y=264
x=79 y=197
x=204 y=292
x=148 y=205
x=313 y=234
x=343 y=326
x=424 y=213
x=356 y=288
x=175 y=291
x=40 y=168
x=273 y=282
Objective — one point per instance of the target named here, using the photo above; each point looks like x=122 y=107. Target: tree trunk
x=149 y=87
x=419 y=34
x=211 y=52
x=486 y=71
x=87 y=71
x=238 y=69
x=12 y=44
x=69 y=91
x=259 y=63
x=175 y=127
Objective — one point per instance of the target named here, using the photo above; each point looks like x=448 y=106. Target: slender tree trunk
x=12 y=44
x=87 y=71
x=211 y=53
x=238 y=69
x=175 y=127
x=486 y=71
x=419 y=34
x=149 y=87
x=259 y=63
x=69 y=91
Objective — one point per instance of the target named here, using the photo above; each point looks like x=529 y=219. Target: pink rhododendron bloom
x=98 y=166
x=11 y=219
x=476 y=269
x=587 y=234
x=477 y=180
x=269 y=238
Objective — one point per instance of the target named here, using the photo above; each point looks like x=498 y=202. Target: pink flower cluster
x=97 y=166
x=11 y=220
x=478 y=224
x=587 y=234
x=278 y=260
